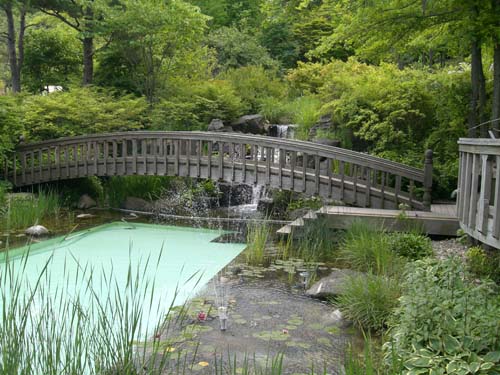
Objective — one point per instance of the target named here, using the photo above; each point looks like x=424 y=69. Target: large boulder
x=85 y=202
x=137 y=204
x=217 y=125
x=333 y=284
x=36 y=231
x=325 y=123
x=254 y=124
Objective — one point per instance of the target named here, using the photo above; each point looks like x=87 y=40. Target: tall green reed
x=50 y=327
x=257 y=237
x=28 y=210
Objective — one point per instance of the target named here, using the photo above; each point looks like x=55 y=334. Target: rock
x=234 y=194
x=216 y=125
x=325 y=123
x=331 y=285
x=265 y=205
x=327 y=142
x=36 y=231
x=298 y=213
x=85 y=202
x=255 y=124
x=136 y=204
x=85 y=216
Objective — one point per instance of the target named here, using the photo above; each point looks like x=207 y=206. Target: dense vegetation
x=397 y=77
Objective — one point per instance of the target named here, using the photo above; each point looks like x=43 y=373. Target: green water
x=178 y=261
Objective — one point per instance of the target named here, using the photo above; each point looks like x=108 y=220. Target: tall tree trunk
x=495 y=112
x=88 y=47
x=15 y=73
x=495 y=105
x=478 y=97
x=88 y=61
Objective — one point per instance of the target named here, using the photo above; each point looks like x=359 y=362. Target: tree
x=52 y=57
x=235 y=49
x=87 y=18
x=154 y=39
x=393 y=29
x=15 y=40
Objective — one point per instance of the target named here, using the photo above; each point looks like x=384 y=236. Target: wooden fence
x=478 y=202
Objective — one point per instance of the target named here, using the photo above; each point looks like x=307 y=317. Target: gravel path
x=448 y=248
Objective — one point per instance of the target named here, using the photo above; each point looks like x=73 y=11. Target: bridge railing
x=314 y=169
x=478 y=202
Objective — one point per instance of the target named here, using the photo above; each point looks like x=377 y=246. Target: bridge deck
x=441 y=220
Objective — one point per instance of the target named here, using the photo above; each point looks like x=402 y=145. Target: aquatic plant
x=257 y=237
x=27 y=210
x=316 y=242
x=118 y=188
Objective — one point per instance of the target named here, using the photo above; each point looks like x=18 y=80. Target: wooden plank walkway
x=441 y=220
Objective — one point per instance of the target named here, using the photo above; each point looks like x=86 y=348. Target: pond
x=117 y=271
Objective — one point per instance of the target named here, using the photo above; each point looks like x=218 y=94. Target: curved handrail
x=310 y=148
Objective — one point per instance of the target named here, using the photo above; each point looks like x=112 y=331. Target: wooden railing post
x=427 y=199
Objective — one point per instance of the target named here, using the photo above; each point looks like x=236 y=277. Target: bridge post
x=428 y=167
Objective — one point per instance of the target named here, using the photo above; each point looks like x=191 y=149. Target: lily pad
x=332 y=330
x=317 y=326
x=271 y=335
x=298 y=344
x=296 y=321
x=240 y=321
x=324 y=341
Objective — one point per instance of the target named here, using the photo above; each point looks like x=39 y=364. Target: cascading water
x=258 y=192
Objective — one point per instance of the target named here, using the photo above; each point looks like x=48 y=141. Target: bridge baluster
x=305 y=158
x=368 y=179
x=496 y=220
x=269 y=156
x=199 y=150
x=397 y=190
x=316 y=173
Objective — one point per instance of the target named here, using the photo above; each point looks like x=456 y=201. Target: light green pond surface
x=178 y=261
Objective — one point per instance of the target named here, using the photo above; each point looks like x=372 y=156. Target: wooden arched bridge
x=355 y=178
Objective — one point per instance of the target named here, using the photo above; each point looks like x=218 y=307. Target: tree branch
x=75 y=25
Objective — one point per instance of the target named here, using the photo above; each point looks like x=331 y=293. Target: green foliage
x=315 y=242
x=395 y=114
x=366 y=248
x=369 y=300
x=446 y=323
x=305 y=113
x=254 y=84
x=72 y=190
x=153 y=41
x=195 y=108
x=81 y=111
x=313 y=203
x=410 y=245
x=235 y=49
x=24 y=211
x=483 y=264
x=52 y=57
x=118 y=188
x=11 y=126
x=258 y=235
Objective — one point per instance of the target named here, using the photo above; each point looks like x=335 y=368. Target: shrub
x=366 y=248
x=482 y=264
x=445 y=324
x=196 y=107
x=11 y=126
x=81 y=111
x=369 y=300
x=254 y=84
x=146 y=187
x=410 y=245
